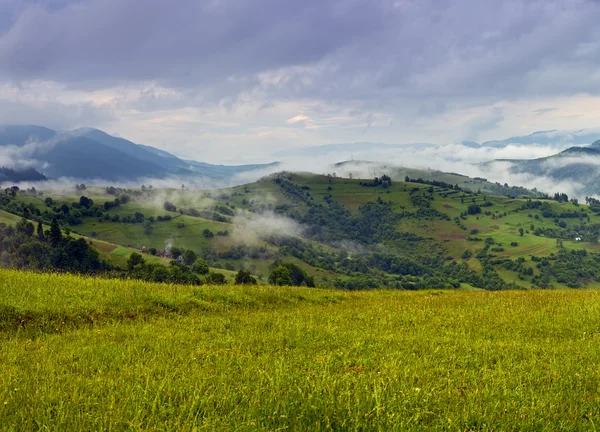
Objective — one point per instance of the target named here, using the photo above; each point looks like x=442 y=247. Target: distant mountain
x=550 y=138
x=579 y=165
x=20 y=135
x=94 y=154
x=553 y=138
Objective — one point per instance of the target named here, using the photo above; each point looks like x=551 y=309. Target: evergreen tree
x=55 y=233
x=40 y=231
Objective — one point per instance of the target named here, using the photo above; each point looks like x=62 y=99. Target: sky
x=232 y=81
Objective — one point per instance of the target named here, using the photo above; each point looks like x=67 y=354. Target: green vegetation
x=345 y=233
x=91 y=354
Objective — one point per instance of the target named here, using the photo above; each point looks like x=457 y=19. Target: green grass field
x=93 y=354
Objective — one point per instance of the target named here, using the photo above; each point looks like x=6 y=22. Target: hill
x=123 y=353
x=347 y=233
x=93 y=154
x=363 y=169
x=577 y=164
x=20 y=175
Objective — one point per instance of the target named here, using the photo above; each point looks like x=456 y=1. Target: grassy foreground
x=90 y=354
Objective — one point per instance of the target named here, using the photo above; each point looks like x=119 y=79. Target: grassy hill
x=113 y=253
x=93 y=354
x=349 y=233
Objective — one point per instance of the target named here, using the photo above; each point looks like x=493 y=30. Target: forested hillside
x=304 y=229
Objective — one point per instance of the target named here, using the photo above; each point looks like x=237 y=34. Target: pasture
x=92 y=354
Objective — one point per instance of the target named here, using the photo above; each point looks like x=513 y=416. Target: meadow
x=81 y=353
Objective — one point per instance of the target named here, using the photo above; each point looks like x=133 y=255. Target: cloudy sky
x=239 y=80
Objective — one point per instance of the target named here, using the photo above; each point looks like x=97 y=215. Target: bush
x=244 y=277
x=280 y=275
x=215 y=279
x=200 y=266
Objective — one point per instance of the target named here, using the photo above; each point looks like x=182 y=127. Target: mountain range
x=93 y=154
x=578 y=165
x=553 y=138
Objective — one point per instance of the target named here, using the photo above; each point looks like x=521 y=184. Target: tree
x=473 y=209
x=200 y=266
x=169 y=207
x=207 y=233
x=49 y=201
x=25 y=227
x=386 y=180
x=85 y=202
x=243 y=277
x=176 y=252
x=521 y=232
x=297 y=275
x=215 y=278
x=148 y=228
x=189 y=257
x=55 y=233
x=40 y=231
x=280 y=275
x=135 y=259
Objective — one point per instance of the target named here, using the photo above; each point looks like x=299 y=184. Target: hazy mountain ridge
x=93 y=154
x=539 y=138
x=576 y=164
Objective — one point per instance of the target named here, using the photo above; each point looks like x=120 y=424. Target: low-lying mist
x=455 y=158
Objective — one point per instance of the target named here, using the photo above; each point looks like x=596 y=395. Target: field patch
x=452 y=236
x=104 y=247
x=120 y=251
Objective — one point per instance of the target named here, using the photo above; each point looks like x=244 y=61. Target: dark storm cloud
x=184 y=42
x=371 y=51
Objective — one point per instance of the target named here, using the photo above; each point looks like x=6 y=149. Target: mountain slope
x=550 y=137
x=93 y=154
x=83 y=158
x=161 y=161
x=579 y=165
x=23 y=175
x=19 y=135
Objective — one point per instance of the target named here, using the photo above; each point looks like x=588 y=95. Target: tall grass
x=140 y=356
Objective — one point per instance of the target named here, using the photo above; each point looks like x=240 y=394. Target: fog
x=372 y=162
